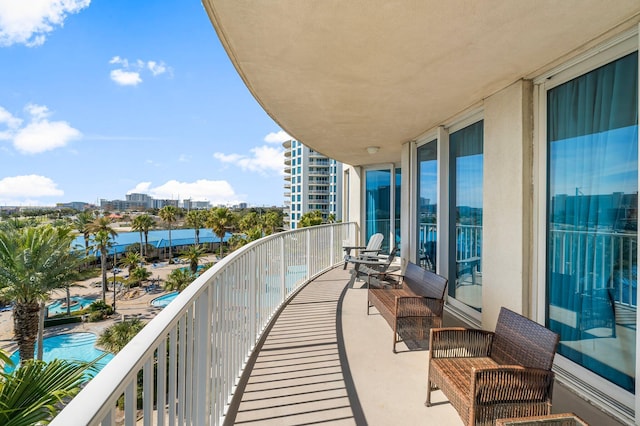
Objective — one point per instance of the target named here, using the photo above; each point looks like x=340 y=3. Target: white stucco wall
x=507 y=241
x=352 y=198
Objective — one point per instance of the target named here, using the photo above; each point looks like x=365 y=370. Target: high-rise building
x=312 y=182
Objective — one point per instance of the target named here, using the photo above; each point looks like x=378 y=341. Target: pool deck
x=138 y=306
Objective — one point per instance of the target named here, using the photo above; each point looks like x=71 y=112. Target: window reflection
x=378 y=204
x=427 y=205
x=592 y=219
x=466 y=164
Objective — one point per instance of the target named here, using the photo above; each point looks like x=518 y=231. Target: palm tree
x=139 y=274
x=248 y=222
x=168 y=214
x=310 y=219
x=272 y=221
x=219 y=220
x=102 y=233
x=196 y=219
x=81 y=224
x=143 y=224
x=131 y=261
x=115 y=337
x=178 y=280
x=193 y=255
x=33 y=392
x=34 y=261
x=238 y=240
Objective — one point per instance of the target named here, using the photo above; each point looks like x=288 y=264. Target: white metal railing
x=189 y=358
x=598 y=260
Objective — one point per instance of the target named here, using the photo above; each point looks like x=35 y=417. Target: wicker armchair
x=491 y=375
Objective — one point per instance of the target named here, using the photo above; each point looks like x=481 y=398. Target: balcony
x=272 y=334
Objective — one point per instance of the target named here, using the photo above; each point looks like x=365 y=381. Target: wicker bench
x=488 y=375
x=412 y=304
x=563 y=419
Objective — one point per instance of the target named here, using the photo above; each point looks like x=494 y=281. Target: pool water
x=71 y=346
x=164 y=300
x=187 y=268
x=77 y=302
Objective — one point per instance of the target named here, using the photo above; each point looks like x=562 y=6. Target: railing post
x=283 y=271
x=331 y=248
x=308 y=234
x=253 y=291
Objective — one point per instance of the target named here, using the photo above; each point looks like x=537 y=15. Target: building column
x=508 y=200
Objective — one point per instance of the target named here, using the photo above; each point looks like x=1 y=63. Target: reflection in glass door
x=378 y=205
x=465 y=234
x=592 y=224
x=427 y=205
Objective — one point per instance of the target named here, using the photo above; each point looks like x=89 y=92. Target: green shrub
x=96 y=316
x=100 y=306
x=50 y=322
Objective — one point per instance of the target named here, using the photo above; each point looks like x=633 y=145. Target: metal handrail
x=192 y=353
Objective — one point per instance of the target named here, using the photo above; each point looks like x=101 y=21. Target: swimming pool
x=70 y=346
x=77 y=302
x=187 y=268
x=164 y=300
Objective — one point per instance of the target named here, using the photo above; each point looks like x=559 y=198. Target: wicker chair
x=491 y=375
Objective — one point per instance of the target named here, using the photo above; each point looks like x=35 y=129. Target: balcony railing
x=188 y=360
x=599 y=260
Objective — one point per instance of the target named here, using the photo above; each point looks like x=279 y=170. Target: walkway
x=326 y=361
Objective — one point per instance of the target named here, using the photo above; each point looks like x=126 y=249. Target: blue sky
x=106 y=97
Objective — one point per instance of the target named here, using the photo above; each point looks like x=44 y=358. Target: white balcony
x=273 y=334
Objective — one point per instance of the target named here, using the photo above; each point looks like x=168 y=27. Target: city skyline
x=108 y=98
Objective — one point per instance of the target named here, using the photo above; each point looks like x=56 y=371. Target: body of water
x=71 y=347
x=164 y=300
x=77 y=302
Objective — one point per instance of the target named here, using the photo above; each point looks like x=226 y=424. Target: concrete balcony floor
x=326 y=361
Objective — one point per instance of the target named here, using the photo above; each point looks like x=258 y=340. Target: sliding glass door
x=427 y=204
x=592 y=219
x=382 y=205
x=465 y=215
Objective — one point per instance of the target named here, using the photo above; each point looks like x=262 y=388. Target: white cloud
x=156 y=68
x=29 y=22
x=39 y=134
x=277 y=137
x=184 y=158
x=10 y=123
x=264 y=160
x=118 y=60
x=141 y=188
x=129 y=73
x=126 y=78
x=214 y=191
x=22 y=190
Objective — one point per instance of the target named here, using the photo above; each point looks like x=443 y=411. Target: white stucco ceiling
x=342 y=75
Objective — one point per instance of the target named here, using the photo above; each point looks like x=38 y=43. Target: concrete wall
x=507 y=205
x=352 y=199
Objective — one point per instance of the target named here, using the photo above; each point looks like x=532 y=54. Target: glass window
x=466 y=174
x=427 y=204
x=398 y=203
x=378 y=204
x=592 y=223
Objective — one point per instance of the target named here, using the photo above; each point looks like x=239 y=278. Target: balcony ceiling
x=341 y=76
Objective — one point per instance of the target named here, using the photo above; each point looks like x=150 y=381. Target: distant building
x=189 y=204
x=312 y=182
x=76 y=205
